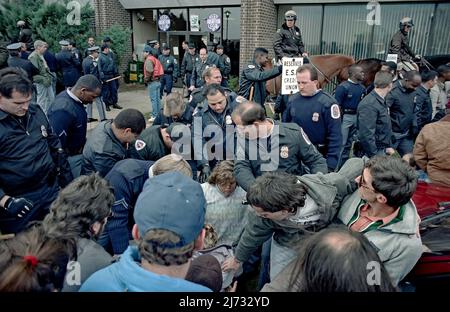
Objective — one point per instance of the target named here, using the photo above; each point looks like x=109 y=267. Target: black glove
x=204 y=174
x=18 y=206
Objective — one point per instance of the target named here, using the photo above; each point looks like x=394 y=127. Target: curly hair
x=222 y=173
x=88 y=199
x=159 y=246
x=276 y=191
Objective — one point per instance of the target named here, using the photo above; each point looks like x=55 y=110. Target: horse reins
x=325 y=76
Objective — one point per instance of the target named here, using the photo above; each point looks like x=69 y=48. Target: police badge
x=284 y=153
x=228 y=120
x=315 y=117
x=44 y=131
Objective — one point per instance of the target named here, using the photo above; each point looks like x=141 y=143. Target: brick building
x=353 y=27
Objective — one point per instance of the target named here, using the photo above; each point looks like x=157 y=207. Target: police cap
x=290 y=15
x=191 y=45
x=14 y=46
x=64 y=43
x=166 y=47
x=219 y=47
x=94 y=48
x=107 y=39
x=152 y=42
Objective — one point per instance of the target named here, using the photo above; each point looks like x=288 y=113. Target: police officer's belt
x=349 y=111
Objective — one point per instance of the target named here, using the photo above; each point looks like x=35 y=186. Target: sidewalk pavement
x=131 y=97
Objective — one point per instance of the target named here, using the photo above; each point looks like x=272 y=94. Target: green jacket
x=44 y=76
x=398 y=244
x=327 y=191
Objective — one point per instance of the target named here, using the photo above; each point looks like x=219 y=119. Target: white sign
x=213 y=22
x=392 y=58
x=195 y=23
x=289 y=77
x=164 y=22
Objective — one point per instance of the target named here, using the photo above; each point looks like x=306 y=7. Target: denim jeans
x=154 y=92
x=348 y=130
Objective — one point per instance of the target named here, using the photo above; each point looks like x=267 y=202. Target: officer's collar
x=73 y=96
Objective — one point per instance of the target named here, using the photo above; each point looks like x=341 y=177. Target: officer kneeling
x=33 y=162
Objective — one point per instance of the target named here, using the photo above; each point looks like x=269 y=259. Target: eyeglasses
x=363 y=183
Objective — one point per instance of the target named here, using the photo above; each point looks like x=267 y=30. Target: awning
x=167 y=4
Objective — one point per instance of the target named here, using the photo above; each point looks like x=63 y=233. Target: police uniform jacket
x=68 y=119
x=102 y=150
x=28 y=152
x=319 y=116
x=186 y=118
x=374 y=124
x=106 y=67
x=223 y=121
x=402 y=109
x=127 y=178
x=150 y=145
x=255 y=76
x=196 y=78
x=292 y=148
x=348 y=95
x=197 y=96
x=23 y=64
x=288 y=42
x=424 y=108
x=213 y=58
x=169 y=64
x=69 y=65
x=90 y=67
x=225 y=65
x=400 y=45
x=188 y=63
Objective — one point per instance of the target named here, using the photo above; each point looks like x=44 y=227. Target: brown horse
x=329 y=66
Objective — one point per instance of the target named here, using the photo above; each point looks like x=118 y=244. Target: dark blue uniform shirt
x=348 y=95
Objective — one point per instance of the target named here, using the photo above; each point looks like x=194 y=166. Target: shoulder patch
x=227 y=60
x=251 y=66
x=139 y=145
x=175 y=61
x=335 y=112
x=278 y=30
x=305 y=137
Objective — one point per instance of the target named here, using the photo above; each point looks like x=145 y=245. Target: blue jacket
x=402 y=108
x=128 y=275
x=28 y=152
x=348 y=95
x=424 y=107
x=69 y=119
x=319 y=116
x=127 y=178
x=69 y=65
x=169 y=64
x=186 y=118
x=90 y=67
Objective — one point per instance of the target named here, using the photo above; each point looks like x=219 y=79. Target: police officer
x=374 y=125
x=400 y=45
x=90 y=67
x=252 y=84
x=170 y=65
x=155 y=45
x=68 y=118
x=115 y=83
x=200 y=66
x=190 y=59
x=288 y=40
x=215 y=114
x=424 y=108
x=69 y=64
x=277 y=146
x=175 y=109
x=32 y=161
x=348 y=95
x=402 y=108
x=107 y=71
x=15 y=60
x=317 y=113
x=224 y=65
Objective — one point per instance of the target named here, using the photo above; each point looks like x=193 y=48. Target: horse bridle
x=325 y=76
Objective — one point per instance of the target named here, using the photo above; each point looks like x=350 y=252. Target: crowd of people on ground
x=215 y=189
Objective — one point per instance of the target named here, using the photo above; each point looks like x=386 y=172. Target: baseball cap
x=191 y=45
x=205 y=270
x=147 y=49
x=171 y=201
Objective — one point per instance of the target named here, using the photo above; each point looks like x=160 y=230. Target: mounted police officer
x=252 y=84
x=317 y=113
x=224 y=65
x=190 y=59
x=170 y=65
x=400 y=45
x=32 y=165
x=69 y=64
x=288 y=40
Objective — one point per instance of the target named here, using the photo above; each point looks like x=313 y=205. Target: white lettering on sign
x=289 y=77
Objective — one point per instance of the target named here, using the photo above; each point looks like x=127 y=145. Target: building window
x=176 y=17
